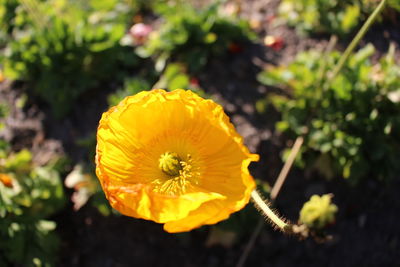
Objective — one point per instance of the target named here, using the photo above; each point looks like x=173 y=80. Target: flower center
x=181 y=174
x=170 y=164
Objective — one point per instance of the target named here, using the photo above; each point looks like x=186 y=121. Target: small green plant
x=327 y=16
x=7 y=14
x=175 y=76
x=192 y=36
x=352 y=127
x=29 y=195
x=131 y=86
x=63 y=52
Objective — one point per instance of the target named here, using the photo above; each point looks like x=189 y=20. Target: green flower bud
x=318 y=211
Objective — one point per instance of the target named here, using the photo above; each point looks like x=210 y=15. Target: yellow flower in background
x=173 y=158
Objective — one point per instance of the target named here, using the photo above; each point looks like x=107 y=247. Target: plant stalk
x=265 y=209
x=286 y=168
x=356 y=40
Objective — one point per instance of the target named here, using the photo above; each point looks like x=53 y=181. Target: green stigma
x=170 y=164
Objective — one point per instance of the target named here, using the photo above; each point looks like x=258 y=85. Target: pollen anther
x=170 y=163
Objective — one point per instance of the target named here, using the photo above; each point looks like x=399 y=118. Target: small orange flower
x=6 y=180
x=174 y=158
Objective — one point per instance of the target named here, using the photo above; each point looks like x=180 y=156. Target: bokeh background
x=267 y=62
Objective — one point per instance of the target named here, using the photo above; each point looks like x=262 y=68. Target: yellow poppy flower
x=174 y=158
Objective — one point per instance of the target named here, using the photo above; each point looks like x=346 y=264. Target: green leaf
x=350 y=17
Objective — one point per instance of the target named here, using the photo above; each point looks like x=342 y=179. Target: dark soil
x=366 y=232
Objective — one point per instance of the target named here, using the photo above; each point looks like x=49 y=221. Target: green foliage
x=4 y=110
x=332 y=16
x=28 y=196
x=63 y=50
x=131 y=86
x=175 y=76
x=7 y=13
x=352 y=127
x=395 y=4
x=193 y=36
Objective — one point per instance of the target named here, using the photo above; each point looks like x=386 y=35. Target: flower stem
x=357 y=39
x=270 y=214
x=286 y=168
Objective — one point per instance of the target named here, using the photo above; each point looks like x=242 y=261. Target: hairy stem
x=270 y=214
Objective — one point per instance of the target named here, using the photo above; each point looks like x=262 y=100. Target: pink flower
x=140 y=32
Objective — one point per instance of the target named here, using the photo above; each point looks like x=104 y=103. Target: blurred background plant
x=29 y=196
x=63 y=49
x=192 y=36
x=330 y=16
x=351 y=128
